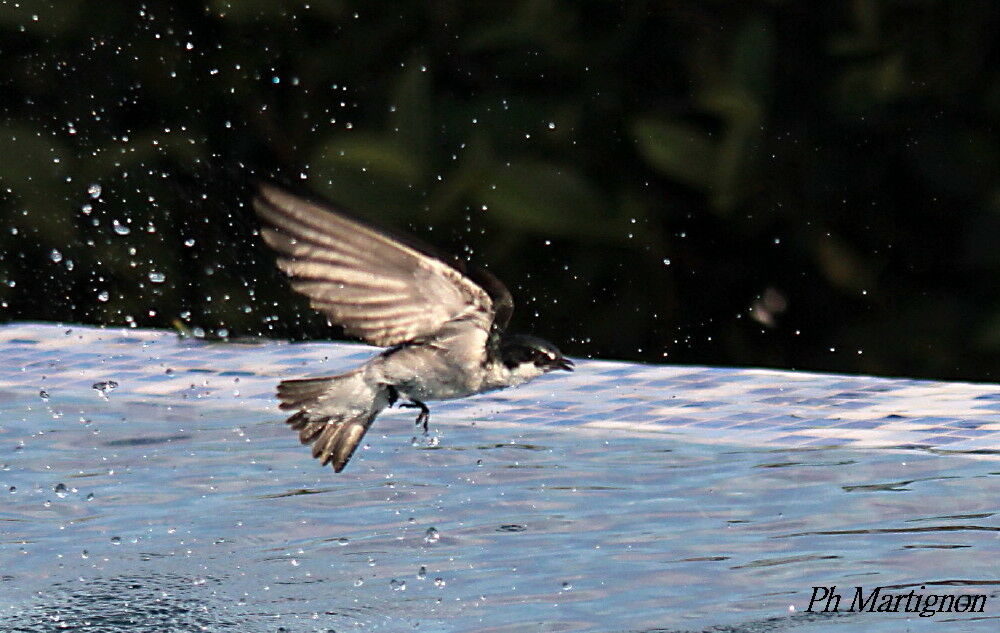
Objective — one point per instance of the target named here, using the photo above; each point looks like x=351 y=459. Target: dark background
x=795 y=184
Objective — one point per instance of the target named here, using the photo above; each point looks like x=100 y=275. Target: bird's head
x=528 y=356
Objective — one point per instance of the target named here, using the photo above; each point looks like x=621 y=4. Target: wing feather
x=380 y=288
x=301 y=248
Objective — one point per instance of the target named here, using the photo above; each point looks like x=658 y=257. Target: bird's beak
x=564 y=364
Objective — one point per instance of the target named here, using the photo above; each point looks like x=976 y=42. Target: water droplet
x=120 y=228
x=84 y=554
x=439 y=582
x=566 y=586
x=94 y=191
x=397 y=585
x=432 y=535
x=552 y=125
x=12 y=489
x=343 y=540
x=103 y=296
x=55 y=255
x=116 y=540
x=359 y=582
x=60 y=490
x=157 y=277
x=421 y=573
x=44 y=395
x=90 y=496
x=295 y=563
x=189 y=242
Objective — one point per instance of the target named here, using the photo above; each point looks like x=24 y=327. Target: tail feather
x=308 y=429
x=294 y=393
x=334 y=413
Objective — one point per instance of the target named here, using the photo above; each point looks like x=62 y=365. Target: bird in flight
x=441 y=320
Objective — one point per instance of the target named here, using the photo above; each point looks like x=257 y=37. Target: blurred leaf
x=142 y=150
x=731 y=166
x=978 y=249
x=369 y=173
x=958 y=159
x=39 y=156
x=870 y=83
x=545 y=198
x=378 y=172
x=677 y=149
x=842 y=265
x=752 y=56
x=504 y=126
x=865 y=37
x=742 y=113
x=738 y=101
x=36 y=173
x=380 y=155
x=411 y=121
x=733 y=104
x=989 y=336
x=367 y=194
x=474 y=168
x=533 y=22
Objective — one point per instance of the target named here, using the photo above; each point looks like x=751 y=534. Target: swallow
x=442 y=321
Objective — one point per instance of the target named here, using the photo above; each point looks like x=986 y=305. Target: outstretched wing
x=383 y=289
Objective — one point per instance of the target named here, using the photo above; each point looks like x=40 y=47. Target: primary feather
x=378 y=288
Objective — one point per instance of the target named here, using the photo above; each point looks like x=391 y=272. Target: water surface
x=125 y=517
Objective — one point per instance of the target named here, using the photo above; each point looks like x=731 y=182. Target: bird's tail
x=334 y=412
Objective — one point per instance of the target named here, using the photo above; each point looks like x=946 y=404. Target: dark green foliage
x=748 y=183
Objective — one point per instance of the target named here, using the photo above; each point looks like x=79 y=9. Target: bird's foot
x=425 y=413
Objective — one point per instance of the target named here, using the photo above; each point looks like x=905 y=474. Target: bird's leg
x=393 y=395
x=425 y=413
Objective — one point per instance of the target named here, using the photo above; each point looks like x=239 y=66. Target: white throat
x=502 y=376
